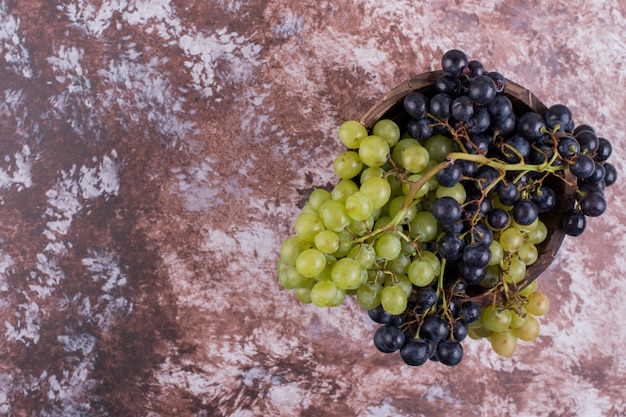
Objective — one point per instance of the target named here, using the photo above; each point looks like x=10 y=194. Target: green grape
x=495 y=318
x=497 y=253
x=345 y=244
x=308 y=225
x=415 y=158
x=293 y=279
x=359 y=206
x=518 y=320
x=538 y=303
x=339 y=298
x=318 y=197
x=364 y=254
x=396 y=154
x=374 y=151
x=347 y=165
x=334 y=215
x=529 y=330
x=291 y=248
x=477 y=333
x=503 y=343
x=396 y=204
x=421 y=193
x=360 y=228
x=382 y=222
x=368 y=295
x=323 y=293
x=346 y=274
x=371 y=172
x=424 y=226
x=399 y=265
x=351 y=133
x=406 y=284
x=388 y=246
x=388 y=130
x=511 y=239
x=538 y=234
x=327 y=241
x=394 y=299
x=438 y=147
x=492 y=277
x=456 y=191
x=308 y=208
x=529 y=289
x=528 y=253
x=303 y=295
x=378 y=190
x=421 y=273
x=310 y=262
x=433 y=259
x=513 y=270
x=432 y=181
x=343 y=189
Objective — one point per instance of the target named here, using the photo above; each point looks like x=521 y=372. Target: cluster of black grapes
x=470 y=106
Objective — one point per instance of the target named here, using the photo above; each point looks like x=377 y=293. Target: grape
x=388 y=130
x=374 y=151
x=377 y=189
x=303 y=295
x=529 y=331
x=419 y=129
x=424 y=226
x=508 y=193
x=351 y=133
x=438 y=147
x=449 y=352
x=480 y=121
x=323 y=293
x=528 y=253
x=495 y=319
x=364 y=254
x=516 y=149
x=462 y=108
x=505 y=125
x=346 y=273
x=475 y=68
x=477 y=255
x=588 y=141
x=396 y=205
x=393 y=299
x=368 y=295
x=318 y=197
x=334 y=215
x=573 y=222
x=538 y=303
x=497 y=253
x=480 y=234
x=498 y=219
x=568 y=147
x=525 y=212
x=379 y=315
x=603 y=150
x=598 y=174
x=499 y=81
x=457 y=192
x=503 y=342
x=471 y=274
x=343 y=190
x=327 y=241
x=440 y=106
x=415 y=158
x=359 y=206
x=558 y=117
x=453 y=62
x=388 y=339
x=593 y=204
x=531 y=125
x=308 y=225
x=416 y=105
x=425 y=297
x=421 y=273
x=450 y=247
x=446 y=210
x=434 y=329
x=415 y=352
x=513 y=270
x=500 y=107
x=450 y=175
x=406 y=187
x=470 y=311
x=482 y=90
x=610 y=175
x=388 y=246
x=348 y=165
x=291 y=248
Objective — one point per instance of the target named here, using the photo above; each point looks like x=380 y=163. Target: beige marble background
x=154 y=154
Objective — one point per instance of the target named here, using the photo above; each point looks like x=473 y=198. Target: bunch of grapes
x=439 y=211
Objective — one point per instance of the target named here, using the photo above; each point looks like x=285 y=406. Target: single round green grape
x=291 y=248
x=421 y=193
x=538 y=234
x=529 y=289
x=327 y=241
x=388 y=246
x=396 y=154
x=343 y=189
x=538 y=303
x=528 y=253
x=310 y=262
x=388 y=130
x=347 y=165
x=364 y=254
x=339 y=298
x=421 y=273
x=378 y=190
x=318 y=197
x=323 y=293
x=530 y=329
x=492 y=277
x=511 y=239
x=405 y=283
x=368 y=295
x=370 y=172
x=457 y=192
x=415 y=158
x=346 y=274
x=351 y=133
x=399 y=265
x=433 y=259
x=393 y=299
x=438 y=147
x=334 y=215
x=497 y=253
x=513 y=270
x=303 y=295
x=495 y=318
x=359 y=206
x=374 y=151
x=424 y=226
x=308 y=225
x=503 y=343
x=396 y=204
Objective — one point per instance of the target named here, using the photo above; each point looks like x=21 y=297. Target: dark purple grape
x=582 y=127
x=573 y=222
x=593 y=204
x=478 y=143
x=525 y=212
x=415 y=352
x=448 y=84
x=388 y=339
x=453 y=228
x=459 y=330
x=453 y=62
x=583 y=166
x=558 y=117
x=419 y=129
x=499 y=80
x=610 y=174
x=449 y=352
x=434 y=329
x=472 y=275
x=462 y=108
x=500 y=107
x=470 y=311
x=440 y=106
x=469 y=167
x=516 y=149
x=568 y=147
x=544 y=198
x=446 y=210
x=482 y=90
x=379 y=315
x=450 y=247
x=485 y=176
x=475 y=68
x=531 y=125
x=480 y=234
x=425 y=297
x=506 y=125
x=477 y=255
x=498 y=219
x=508 y=193
x=604 y=150
x=450 y=175
x=480 y=122
x=475 y=205
x=416 y=104
x=598 y=174
x=588 y=141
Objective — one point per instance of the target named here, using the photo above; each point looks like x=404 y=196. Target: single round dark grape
x=482 y=90
x=485 y=176
x=568 y=147
x=450 y=247
x=475 y=68
x=448 y=84
x=610 y=174
x=446 y=210
x=388 y=339
x=588 y=141
x=440 y=106
x=462 y=108
x=583 y=166
x=416 y=104
x=573 y=222
x=531 y=125
x=472 y=275
x=470 y=311
x=498 y=219
x=450 y=352
x=480 y=234
x=582 y=127
x=469 y=167
x=415 y=352
x=434 y=329
x=453 y=228
x=459 y=330
x=558 y=117
x=419 y=129
x=425 y=297
x=508 y=193
x=480 y=121
x=544 y=198
x=604 y=150
x=499 y=80
x=593 y=204
x=476 y=254
x=379 y=315
x=525 y=212
x=516 y=149
x=500 y=107
x=505 y=125
x=450 y=175
x=598 y=175
x=453 y=62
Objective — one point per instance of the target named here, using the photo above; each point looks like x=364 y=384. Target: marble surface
x=154 y=154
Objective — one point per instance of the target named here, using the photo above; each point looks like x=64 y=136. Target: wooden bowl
x=391 y=107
